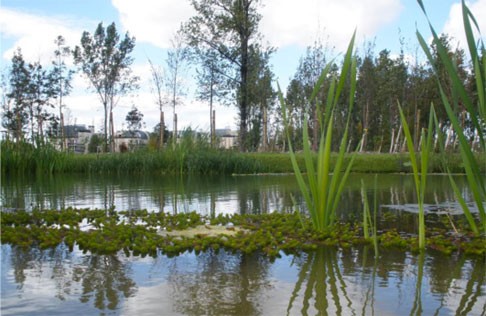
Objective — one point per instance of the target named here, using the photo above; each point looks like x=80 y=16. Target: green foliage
x=139 y=232
x=95 y=142
x=25 y=158
x=420 y=171
x=134 y=119
x=105 y=60
x=322 y=186
x=28 y=99
x=475 y=108
x=228 y=31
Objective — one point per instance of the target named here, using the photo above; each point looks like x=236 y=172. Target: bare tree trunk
x=363 y=142
x=63 y=134
x=265 y=142
x=213 y=129
x=161 y=131
x=381 y=144
x=40 y=123
x=174 y=132
x=417 y=130
x=105 y=140
x=448 y=137
x=349 y=144
x=420 y=142
x=392 y=140
x=112 y=132
x=315 y=132
x=397 y=141
x=365 y=127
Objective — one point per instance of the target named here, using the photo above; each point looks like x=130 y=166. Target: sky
x=287 y=25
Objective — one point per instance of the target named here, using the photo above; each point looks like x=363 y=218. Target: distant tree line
x=232 y=67
x=383 y=83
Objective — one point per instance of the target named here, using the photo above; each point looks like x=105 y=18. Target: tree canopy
x=104 y=58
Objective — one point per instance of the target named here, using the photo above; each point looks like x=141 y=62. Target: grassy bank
x=364 y=163
x=28 y=160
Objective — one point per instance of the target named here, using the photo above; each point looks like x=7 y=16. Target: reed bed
x=28 y=160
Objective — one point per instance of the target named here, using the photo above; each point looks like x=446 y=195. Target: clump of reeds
x=476 y=110
x=322 y=184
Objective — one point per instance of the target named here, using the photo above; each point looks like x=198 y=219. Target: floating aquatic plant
x=270 y=234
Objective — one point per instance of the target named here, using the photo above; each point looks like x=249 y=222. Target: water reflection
x=215 y=195
x=41 y=282
x=321 y=286
x=324 y=282
x=222 y=284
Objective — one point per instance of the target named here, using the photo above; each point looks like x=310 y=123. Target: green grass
x=28 y=160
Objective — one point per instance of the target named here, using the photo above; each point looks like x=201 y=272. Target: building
x=77 y=137
x=227 y=138
x=130 y=140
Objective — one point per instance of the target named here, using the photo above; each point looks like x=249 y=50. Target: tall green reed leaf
x=369 y=222
x=477 y=112
x=321 y=185
x=420 y=174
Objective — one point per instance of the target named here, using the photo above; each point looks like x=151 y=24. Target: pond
x=218 y=195
x=324 y=282
x=327 y=281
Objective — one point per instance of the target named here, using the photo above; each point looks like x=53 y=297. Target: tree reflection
x=104 y=279
x=320 y=281
x=327 y=281
x=219 y=284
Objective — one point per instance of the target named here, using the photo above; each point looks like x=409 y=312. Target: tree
x=176 y=67
x=134 y=119
x=457 y=56
x=60 y=77
x=307 y=74
x=295 y=99
x=105 y=60
x=381 y=84
x=229 y=28
x=28 y=100
x=40 y=92
x=15 y=115
x=262 y=97
x=157 y=88
x=211 y=81
x=365 y=96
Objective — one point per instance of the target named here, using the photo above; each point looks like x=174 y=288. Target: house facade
x=227 y=138
x=77 y=137
x=130 y=140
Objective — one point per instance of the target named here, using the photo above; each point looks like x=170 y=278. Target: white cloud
x=35 y=34
x=151 y=21
x=300 y=22
x=283 y=22
x=454 y=24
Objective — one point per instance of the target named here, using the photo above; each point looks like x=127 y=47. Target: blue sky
x=288 y=25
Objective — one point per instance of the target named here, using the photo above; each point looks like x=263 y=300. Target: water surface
x=216 y=195
x=324 y=282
